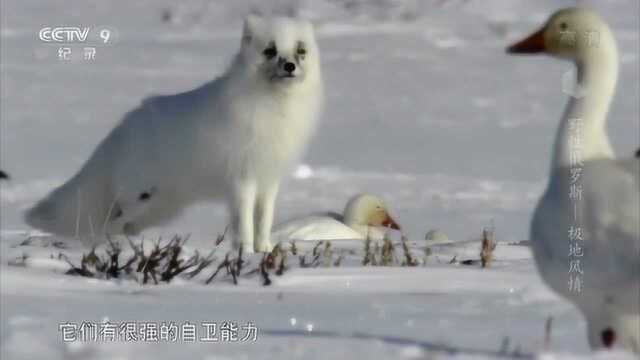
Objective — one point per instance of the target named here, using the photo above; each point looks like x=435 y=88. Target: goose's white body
x=315 y=227
x=609 y=216
x=607 y=212
x=365 y=217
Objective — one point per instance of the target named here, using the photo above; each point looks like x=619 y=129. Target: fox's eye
x=563 y=26
x=270 y=52
x=302 y=51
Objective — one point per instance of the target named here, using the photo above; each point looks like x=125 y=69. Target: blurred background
x=423 y=106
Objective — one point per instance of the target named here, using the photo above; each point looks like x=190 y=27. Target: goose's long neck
x=582 y=130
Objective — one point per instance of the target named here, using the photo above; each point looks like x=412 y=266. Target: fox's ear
x=250 y=28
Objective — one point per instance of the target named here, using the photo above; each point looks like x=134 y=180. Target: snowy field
x=423 y=109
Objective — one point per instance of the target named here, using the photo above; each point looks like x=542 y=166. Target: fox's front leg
x=265 y=205
x=242 y=207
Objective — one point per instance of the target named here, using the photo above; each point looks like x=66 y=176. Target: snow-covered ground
x=424 y=109
x=436 y=310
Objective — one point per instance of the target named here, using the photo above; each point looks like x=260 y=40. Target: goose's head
x=575 y=34
x=368 y=210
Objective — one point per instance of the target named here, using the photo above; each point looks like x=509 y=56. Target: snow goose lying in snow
x=364 y=216
x=586 y=225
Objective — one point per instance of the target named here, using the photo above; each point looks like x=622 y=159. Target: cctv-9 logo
x=73 y=34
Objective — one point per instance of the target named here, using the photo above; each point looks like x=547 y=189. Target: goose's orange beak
x=388 y=222
x=533 y=44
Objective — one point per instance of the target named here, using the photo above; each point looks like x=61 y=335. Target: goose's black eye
x=270 y=52
x=302 y=51
x=563 y=26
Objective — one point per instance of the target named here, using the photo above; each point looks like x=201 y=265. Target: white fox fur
x=231 y=139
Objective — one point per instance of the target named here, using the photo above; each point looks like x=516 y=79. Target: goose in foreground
x=585 y=232
x=364 y=216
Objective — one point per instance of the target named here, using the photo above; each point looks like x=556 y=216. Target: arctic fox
x=231 y=139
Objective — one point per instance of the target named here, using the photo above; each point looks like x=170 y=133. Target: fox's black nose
x=289 y=67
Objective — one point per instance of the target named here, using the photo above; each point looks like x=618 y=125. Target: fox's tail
x=78 y=208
